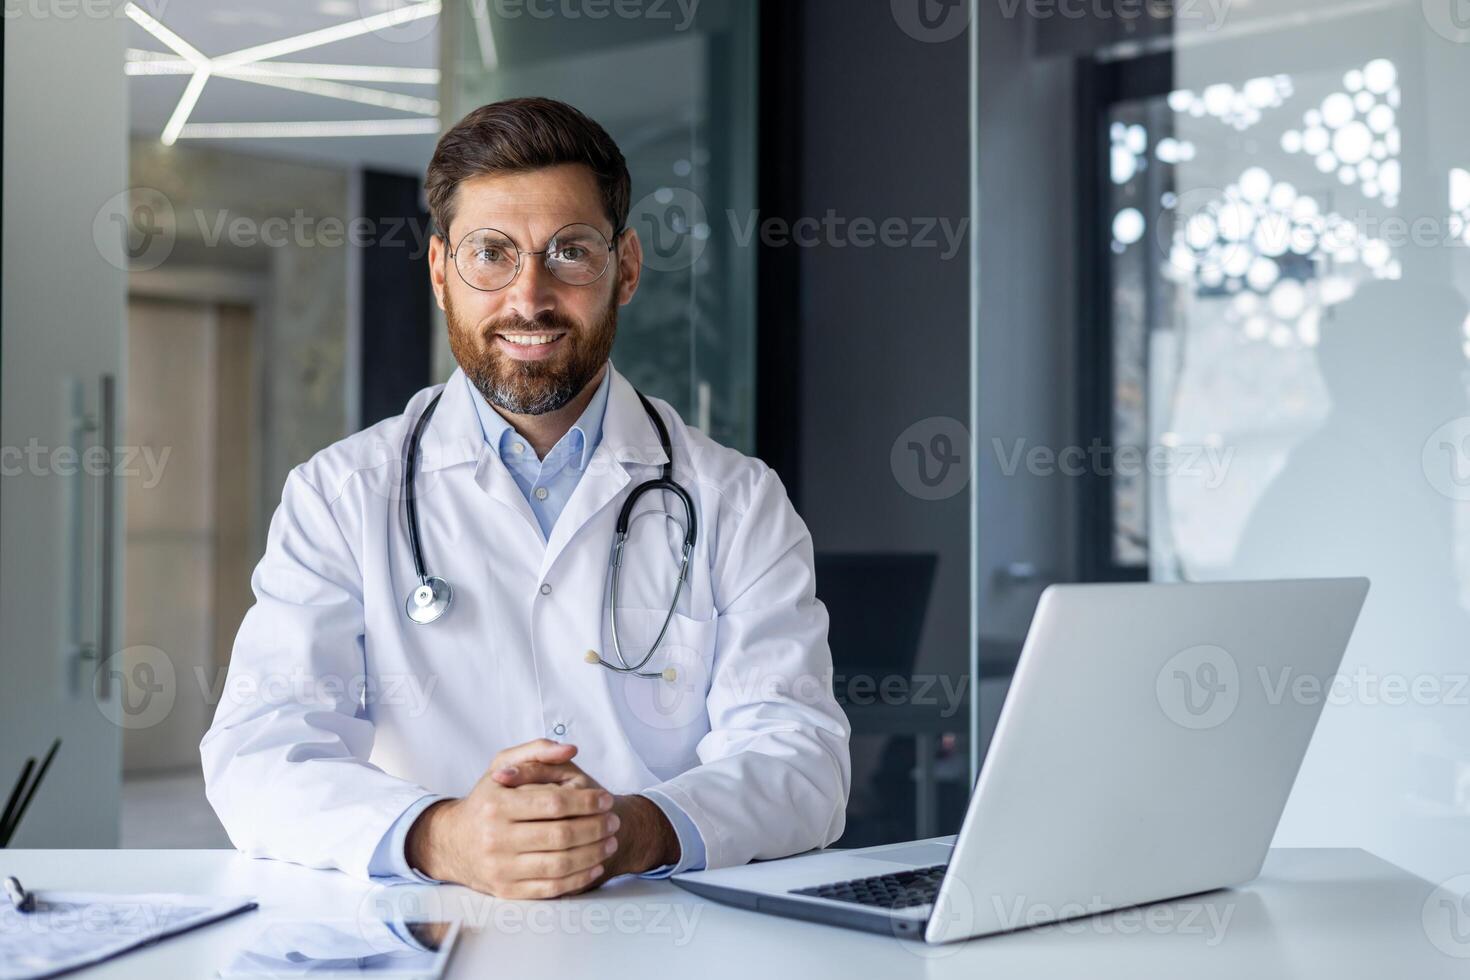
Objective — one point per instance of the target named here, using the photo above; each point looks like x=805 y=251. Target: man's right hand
x=534 y=841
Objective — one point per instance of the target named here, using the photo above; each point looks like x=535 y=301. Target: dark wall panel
x=397 y=328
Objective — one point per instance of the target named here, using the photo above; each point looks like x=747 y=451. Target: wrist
x=646 y=839
x=424 y=848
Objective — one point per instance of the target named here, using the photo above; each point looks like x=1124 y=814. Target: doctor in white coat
x=501 y=746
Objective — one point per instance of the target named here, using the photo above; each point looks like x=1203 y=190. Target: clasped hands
x=537 y=826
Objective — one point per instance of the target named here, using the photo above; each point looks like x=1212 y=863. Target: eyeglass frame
x=612 y=247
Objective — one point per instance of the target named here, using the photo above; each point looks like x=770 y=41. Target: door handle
x=106 y=528
x=94 y=652
x=1018 y=574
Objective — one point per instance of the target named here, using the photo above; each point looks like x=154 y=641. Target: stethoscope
x=430 y=599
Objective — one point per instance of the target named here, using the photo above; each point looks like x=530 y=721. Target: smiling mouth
x=530 y=339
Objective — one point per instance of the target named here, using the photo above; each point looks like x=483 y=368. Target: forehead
x=533 y=204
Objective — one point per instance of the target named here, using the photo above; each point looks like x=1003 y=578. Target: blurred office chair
x=877 y=602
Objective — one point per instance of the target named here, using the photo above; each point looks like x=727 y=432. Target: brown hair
x=517 y=135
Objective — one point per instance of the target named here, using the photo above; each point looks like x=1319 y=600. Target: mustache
x=547 y=321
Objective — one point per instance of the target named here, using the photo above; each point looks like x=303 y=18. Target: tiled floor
x=168 y=810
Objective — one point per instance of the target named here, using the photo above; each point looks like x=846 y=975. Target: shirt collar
x=582 y=438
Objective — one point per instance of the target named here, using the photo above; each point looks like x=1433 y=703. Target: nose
x=533 y=291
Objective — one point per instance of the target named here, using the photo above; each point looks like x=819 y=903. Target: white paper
x=68 y=930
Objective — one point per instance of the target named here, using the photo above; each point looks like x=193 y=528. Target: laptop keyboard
x=900 y=890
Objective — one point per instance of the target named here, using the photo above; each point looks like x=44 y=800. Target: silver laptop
x=1145 y=752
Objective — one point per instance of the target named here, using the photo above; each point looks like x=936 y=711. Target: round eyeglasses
x=488 y=259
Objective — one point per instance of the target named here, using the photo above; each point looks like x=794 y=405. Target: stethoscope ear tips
x=668 y=673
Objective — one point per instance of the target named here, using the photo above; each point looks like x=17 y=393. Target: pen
x=23 y=900
x=12 y=820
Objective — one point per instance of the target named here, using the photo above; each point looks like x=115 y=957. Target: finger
x=564 y=773
x=561 y=835
x=560 y=864
x=541 y=801
x=536 y=750
x=551 y=887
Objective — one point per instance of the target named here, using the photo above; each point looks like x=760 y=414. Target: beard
x=531 y=387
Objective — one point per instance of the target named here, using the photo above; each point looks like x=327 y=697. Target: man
x=506 y=745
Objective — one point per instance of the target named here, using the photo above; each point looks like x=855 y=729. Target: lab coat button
x=560 y=729
x=546 y=588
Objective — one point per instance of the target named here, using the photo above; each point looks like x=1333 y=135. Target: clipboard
x=70 y=930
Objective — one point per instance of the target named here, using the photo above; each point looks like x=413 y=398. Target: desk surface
x=1312 y=913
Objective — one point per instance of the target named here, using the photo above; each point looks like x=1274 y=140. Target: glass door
x=61 y=324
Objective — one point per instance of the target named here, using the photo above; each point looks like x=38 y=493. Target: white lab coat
x=339 y=713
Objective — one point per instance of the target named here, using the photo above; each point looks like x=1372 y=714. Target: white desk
x=1313 y=913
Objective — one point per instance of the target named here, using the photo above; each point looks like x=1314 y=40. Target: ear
x=630 y=265
x=438 y=255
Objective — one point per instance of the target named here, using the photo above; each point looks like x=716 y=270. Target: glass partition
x=1254 y=218
x=1284 y=210
x=676 y=88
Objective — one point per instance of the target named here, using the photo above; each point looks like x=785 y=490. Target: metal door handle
x=106 y=527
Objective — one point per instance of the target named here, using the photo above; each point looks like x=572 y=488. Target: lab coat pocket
x=649 y=578
x=665 y=716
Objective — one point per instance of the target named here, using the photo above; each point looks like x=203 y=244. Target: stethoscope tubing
x=431 y=598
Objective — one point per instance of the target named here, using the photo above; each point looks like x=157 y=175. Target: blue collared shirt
x=547 y=485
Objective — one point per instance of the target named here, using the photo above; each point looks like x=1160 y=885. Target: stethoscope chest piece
x=428 y=601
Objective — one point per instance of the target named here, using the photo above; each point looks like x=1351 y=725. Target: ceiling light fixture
x=226 y=64
x=339 y=90
x=142 y=62
x=484 y=35
x=310 y=130
x=327 y=35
